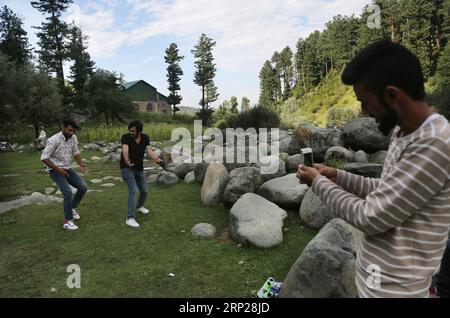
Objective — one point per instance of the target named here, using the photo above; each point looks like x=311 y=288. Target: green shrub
x=339 y=116
x=257 y=117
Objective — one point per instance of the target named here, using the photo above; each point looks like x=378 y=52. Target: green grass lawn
x=118 y=261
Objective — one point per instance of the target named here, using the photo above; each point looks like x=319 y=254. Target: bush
x=167 y=118
x=257 y=117
x=339 y=116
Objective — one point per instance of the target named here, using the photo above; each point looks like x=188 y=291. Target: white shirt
x=60 y=151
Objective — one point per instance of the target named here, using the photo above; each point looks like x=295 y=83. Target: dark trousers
x=443 y=278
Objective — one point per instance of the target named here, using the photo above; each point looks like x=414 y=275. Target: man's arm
x=419 y=175
x=126 y=155
x=76 y=154
x=45 y=158
x=358 y=185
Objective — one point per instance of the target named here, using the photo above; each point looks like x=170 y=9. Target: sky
x=131 y=36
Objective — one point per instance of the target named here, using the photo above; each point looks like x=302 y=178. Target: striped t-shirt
x=404 y=215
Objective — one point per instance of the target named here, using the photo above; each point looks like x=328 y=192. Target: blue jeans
x=74 y=180
x=134 y=180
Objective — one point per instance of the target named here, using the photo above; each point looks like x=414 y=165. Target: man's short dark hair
x=385 y=63
x=137 y=124
x=70 y=122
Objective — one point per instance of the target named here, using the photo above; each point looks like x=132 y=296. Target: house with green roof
x=146 y=97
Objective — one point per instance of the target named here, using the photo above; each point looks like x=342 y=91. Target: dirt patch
x=224 y=236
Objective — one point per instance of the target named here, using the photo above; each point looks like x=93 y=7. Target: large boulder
x=181 y=169
x=190 y=177
x=216 y=179
x=293 y=162
x=319 y=139
x=285 y=191
x=91 y=146
x=379 y=157
x=361 y=157
x=363 y=134
x=242 y=180
x=326 y=267
x=257 y=222
x=271 y=167
x=167 y=178
x=371 y=170
x=338 y=153
x=200 y=171
x=313 y=212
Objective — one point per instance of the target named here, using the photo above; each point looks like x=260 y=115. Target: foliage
x=174 y=72
x=257 y=117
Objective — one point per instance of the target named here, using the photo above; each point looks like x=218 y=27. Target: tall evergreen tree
x=268 y=85
x=174 y=73
x=205 y=73
x=277 y=66
x=82 y=68
x=245 y=104
x=234 y=105
x=53 y=35
x=13 y=38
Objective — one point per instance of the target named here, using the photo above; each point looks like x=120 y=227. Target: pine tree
x=82 y=68
x=268 y=85
x=245 y=104
x=277 y=63
x=13 y=38
x=174 y=73
x=234 y=105
x=52 y=36
x=205 y=73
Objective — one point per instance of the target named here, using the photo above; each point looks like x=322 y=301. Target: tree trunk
x=60 y=72
x=203 y=97
x=36 y=131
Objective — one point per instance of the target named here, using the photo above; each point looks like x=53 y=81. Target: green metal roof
x=127 y=85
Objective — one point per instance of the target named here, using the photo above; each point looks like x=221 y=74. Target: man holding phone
x=404 y=215
x=134 y=146
x=57 y=156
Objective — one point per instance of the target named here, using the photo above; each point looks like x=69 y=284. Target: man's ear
x=393 y=96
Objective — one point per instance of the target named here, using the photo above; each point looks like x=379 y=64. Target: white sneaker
x=132 y=223
x=70 y=226
x=75 y=215
x=143 y=210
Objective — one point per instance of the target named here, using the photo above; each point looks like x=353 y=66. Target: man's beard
x=388 y=122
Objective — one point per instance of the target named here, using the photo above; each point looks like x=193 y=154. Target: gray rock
x=326 y=267
x=293 y=162
x=319 y=139
x=107 y=178
x=108 y=185
x=269 y=164
x=204 y=230
x=91 y=147
x=200 y=171
x=216 y=179
x=34 y=198
x=182 y=169
x=363 y=134
x=361 y=157
x=113 y=157
x=284 y=156
x=257 y=222
x=95 y=181
x=285 y=191
x=95 y=158
x=167 y=178
x=313 y=212
x=338 y=153
x=284 y=143
x=49 y=190
x=371 y=170
x=379 y=157
x=242 y=180
x=101 y=143
x=152 y=178
x=114 y=148
x=190 y=177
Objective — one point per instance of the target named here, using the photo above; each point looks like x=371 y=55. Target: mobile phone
x=308 y=157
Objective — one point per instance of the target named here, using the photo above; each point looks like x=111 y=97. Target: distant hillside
x=314 y=106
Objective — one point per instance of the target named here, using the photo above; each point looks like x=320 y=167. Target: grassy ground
x=118 y=261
